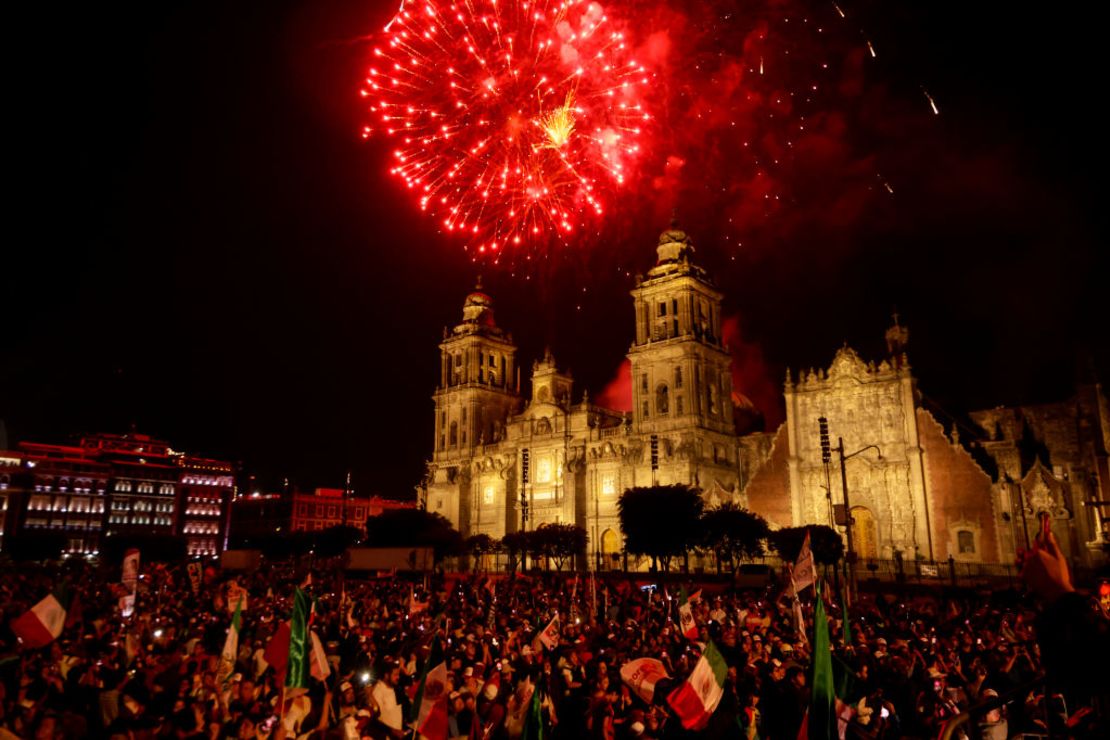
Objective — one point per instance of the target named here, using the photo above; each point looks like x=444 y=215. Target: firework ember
x=513 y=119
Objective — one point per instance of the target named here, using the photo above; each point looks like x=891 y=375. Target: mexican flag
x=550 y=635
x=431 y=696
x=416 y=607
x=697 y=699
x=804 y=574
x=686 y=621
x=231 y=646
x=44 y=621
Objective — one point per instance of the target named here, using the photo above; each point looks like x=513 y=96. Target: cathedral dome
x=478 y=307
x=674 y=244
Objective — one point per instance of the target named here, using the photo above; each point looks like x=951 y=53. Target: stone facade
x=568 y=461
x=504 y=460
x=922 y=491
x=1052 y=458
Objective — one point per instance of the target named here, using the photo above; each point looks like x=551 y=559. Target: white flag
x=550 y=635
x=805 y=574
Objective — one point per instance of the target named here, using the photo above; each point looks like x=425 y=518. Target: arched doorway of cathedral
x=610 y=550
x=864 y=534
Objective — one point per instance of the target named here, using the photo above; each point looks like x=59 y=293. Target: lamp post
x=826 y=458
x=848 y=508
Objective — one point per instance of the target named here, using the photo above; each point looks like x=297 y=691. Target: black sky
x=203 y=247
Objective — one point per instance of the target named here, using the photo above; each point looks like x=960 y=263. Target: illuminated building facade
x=329 y=507
x=968 y=491
x=502 y=461
x=924 y=485
x=117 y=484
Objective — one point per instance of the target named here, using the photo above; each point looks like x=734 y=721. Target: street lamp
x=848 y=508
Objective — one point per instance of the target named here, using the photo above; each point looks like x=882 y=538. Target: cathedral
x=503 y=461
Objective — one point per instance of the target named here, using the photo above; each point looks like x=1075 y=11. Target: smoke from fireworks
x=513 y=119
x=519 y=125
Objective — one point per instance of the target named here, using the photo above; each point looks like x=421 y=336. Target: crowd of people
x=904 y=664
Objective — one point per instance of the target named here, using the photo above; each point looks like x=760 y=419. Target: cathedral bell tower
x=477 y=391
x=680 y=366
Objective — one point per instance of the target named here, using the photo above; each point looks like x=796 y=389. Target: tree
x=825 y=542
x=660 y=521
x=40 y=546
x=334 y=541
x=733 y=533
x=479 y=545
x=558 y=542
x=414 y=527
x=515 y=543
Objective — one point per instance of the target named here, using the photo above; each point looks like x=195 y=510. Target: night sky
x=205 y=249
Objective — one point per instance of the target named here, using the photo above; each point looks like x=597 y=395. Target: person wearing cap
x=347 y=700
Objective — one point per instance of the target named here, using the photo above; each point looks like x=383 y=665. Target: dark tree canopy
x=334 y=541
x=660 y=522
x=557 y=541
x=515 y=543
x=414 y=527
x=826 y=543
x=480 y=544
x=35 y=546
x=733 y=533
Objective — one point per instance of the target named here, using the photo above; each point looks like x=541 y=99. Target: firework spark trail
x=522 y=125
x=514 y=121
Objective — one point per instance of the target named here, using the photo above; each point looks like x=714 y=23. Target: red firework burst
x=514 y=118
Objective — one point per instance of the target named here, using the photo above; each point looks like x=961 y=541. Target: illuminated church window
x=543 y=470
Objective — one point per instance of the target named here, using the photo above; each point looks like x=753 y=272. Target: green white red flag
x=431 y=696
x=696 y=699
x=416 y=607
x=231 y=647
x=686 y=621
x=43 y=622
x=550 y=635
x=804 y=574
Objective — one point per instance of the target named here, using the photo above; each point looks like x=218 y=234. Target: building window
x=453 y=435
x=662 y=308
x=644 y=382
x=965 y=541
x=678 y=377
x=543 y=469
x=645 y=410
x=678 y=406
x=331 y=512
x=662 y=399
